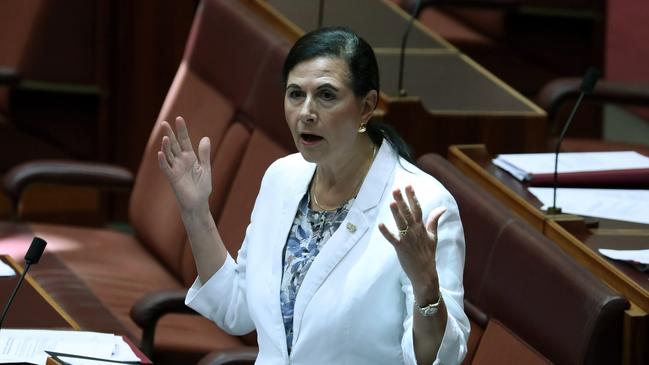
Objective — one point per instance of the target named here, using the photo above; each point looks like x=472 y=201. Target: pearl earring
x=362 y=128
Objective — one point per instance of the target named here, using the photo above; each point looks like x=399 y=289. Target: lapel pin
x=351 y=228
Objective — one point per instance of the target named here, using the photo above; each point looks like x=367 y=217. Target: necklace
x=355 y=192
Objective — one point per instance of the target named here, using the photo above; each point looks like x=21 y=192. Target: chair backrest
x=515 y=275
x=45 y=41
x=17 y=21
x=227 y=88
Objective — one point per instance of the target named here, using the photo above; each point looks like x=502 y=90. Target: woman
x=337 y=266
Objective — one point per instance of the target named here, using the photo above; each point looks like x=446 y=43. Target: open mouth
x=310 y=138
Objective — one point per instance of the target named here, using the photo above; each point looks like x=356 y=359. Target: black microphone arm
x=32 y=256
x=404 y=40
x=587 y=85
x=320 y=13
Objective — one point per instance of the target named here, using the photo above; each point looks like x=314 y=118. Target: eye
x=295 y=94
x=327 y=95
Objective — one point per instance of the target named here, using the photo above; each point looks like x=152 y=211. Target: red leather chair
x=527 y=300
x=560 y=92
x=228 y=88
x=19 y=21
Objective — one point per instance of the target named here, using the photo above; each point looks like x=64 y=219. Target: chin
x=310 y=157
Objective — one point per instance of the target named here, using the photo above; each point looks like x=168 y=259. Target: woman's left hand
x=415 y=243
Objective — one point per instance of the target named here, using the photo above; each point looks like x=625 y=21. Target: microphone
x=587 y=86
x=320 y=13
x=32 y=256
x=404 y=40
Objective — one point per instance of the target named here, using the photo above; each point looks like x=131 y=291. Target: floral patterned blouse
x=310 y=231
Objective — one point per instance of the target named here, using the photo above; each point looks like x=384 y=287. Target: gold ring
x=403 y=232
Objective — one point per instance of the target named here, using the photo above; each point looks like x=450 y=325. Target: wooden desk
x=575 y=238
x=454 y=100
x=65 y=290
x=34 y=307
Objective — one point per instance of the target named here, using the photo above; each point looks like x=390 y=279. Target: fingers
x=401 y=223
x=404 y=212
x=204 y=152
x=414 y=204
x=173 y=142
x=387 y=234
x=183 y=136
x=409 y=215
x=166 y=150
x=433 y=221
x=410 y=212
x=406 y=216
x=164 y=164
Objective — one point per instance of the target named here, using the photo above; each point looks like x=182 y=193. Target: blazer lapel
x=358 y=221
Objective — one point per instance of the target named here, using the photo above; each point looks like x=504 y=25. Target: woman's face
x=322 y=111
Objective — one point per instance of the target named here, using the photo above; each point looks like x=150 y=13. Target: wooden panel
x=455 y=100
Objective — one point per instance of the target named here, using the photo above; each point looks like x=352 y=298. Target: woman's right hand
x=190 y=177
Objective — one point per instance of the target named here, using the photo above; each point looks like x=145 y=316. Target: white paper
x=77 y=361
x=6 y=270
x=30 y=345
x=523 y=165
x=620 y=204
x=639 y=256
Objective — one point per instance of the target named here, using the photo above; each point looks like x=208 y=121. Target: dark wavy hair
x=343 y=43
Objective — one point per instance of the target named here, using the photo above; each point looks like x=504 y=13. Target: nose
x=307 y=111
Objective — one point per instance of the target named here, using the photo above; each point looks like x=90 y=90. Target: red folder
x=631 y=178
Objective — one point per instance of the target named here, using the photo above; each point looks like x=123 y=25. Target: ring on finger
x=403 y=232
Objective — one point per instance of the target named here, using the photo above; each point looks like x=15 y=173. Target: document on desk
x=624 y=168
x=6 y=270
x=629 y=205
x=17 y=345
x=639 y=259
x=636 y=256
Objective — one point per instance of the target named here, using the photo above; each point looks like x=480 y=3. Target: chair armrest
x=64 y=172
x=149 y=309
x=555 y=93
x=8 y=76
x=238 y=356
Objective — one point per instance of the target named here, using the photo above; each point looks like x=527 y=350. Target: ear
x=369 y=104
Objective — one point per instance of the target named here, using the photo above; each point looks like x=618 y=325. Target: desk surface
x=32 y=306
x=579 y=241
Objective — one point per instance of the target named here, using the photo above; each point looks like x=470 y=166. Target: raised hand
x=190 y=177
x=416 y=242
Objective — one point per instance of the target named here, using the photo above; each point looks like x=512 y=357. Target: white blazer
x=355 y=303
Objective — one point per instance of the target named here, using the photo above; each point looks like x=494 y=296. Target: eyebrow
x=292 y=86
x=326 y=86
x=323 y=86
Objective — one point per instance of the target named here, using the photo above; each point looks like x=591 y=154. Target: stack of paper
x=31 y=345
x=6 y=270
x=638 y=258
x=620 y=169
x=619 y=204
